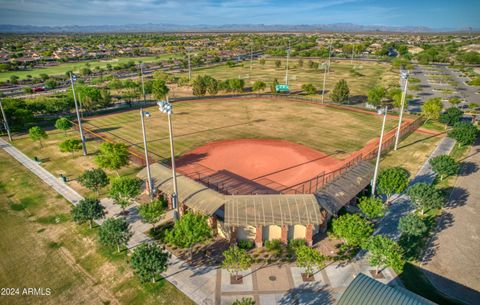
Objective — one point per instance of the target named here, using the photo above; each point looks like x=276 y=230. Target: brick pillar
x=169 y=201
x=259 y=236
x=233 y=235
x=284 y=234
x=212 y=222
x=147 y=186
x=309 y=235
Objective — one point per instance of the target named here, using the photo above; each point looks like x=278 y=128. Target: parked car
x=38 y=89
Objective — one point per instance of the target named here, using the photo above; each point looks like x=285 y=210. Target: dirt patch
x=273 y=163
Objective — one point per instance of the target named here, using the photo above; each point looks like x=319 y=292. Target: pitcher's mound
x=275 y=163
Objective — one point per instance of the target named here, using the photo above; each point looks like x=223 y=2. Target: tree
x=376 y=95
x=412 y=225
x=159 y=89
x=63 y=124
x=51 y=84
x=300 y=63
x=341 y=92
x=353 y=229
x=259 y=86
x=244 y=301
x=384 y=252
x=451 y=116
x=189 y=230
x=36 y=133
x=236 y=260
x=212 y=85
x=112 y=156
x=124 y=190
x=372 y=207
x=114 y=232
x=425 y=196
x=309 y=89
x=152 y=212
x=444 y=166
x=70 y=145
x=465 y=133
x=278 y=63
x=199 y=87
x=273 y=86
x=262 y=61
x=393 y=181
x=94 y=179
x=309 y=258
x=149 y=261
x=88 y=209
x=431 y=108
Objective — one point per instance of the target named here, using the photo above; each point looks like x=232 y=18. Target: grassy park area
x=62 y=68
x=360 y=76
x=42 y=247
x=333 y=131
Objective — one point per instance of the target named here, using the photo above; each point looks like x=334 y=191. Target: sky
x=430 y=13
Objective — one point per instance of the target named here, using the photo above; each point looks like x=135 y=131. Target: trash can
x=64 y=179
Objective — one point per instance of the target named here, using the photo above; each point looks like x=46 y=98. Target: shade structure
x=274 y=209
x=191 y=193
x=345 y=187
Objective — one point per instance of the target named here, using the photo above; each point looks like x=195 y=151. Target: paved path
x=400 y=205
x=453 y=265
x=55 y=182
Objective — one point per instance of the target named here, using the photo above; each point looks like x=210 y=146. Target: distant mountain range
x=150 y=27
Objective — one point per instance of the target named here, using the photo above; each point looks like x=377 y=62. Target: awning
x=273 y=209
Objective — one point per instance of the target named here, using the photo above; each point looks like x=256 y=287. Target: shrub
x=296 y=243
x=246 y=244
x=273 y=245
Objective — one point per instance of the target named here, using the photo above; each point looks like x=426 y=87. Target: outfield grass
x=370 y=74
x=62 y=68
x=333 y=131
x=40 y=247
x=58 y=163
x=412 y=152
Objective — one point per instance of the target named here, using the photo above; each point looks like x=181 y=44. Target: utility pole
x=404 y=76
x=73 y=78
x=379 y=153
x=145 y=145
x=286 y=68
x=166 y=107
x=189 y=68
x=143 y=84
x=5 y=122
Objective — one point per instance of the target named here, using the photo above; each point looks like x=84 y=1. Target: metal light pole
x=143 y=84
x=251 y=61
x=166 y=107
x=325 y=72
x=353 y=51
x=145 y=145
x=5 y=122
x=189 y=68
x=404 y=76
x=379 y=153
x=286 y=68
x=329 y=56
x=73 y=78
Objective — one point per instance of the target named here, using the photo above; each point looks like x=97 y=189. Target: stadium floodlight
x=166 y=107
x=379 y=152
x=403 y=80
x=73 y=79
x=5 y=122
x=150 y=187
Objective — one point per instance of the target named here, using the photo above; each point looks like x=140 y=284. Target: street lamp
x=144 y=114
x=5 y=122
x=379 y=153
x=325 y=72
x=73 y=79
x=166 y=107
x=143 y=84
x=403 y=78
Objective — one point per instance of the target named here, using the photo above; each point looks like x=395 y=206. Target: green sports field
x=330 y=130
x=76 y=66
x=360 y=76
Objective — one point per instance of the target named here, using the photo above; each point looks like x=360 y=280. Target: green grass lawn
x=40 y=247
x=332 y=131
x=412 y=152
x=370 y=74
x=62 y=68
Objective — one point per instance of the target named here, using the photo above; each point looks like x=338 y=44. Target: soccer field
x=333 y=131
